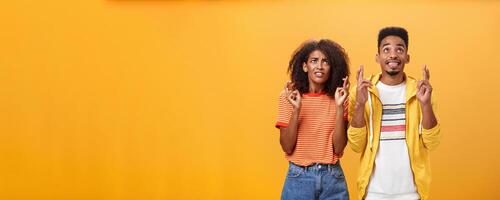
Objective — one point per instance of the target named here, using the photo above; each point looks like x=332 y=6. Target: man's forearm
x=358 y=119
x=428 y=118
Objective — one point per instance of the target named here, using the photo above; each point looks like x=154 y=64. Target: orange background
x=104 y=99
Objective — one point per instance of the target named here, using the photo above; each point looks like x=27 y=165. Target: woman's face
x=317 y=68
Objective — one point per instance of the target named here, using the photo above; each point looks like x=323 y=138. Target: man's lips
x=392 y=63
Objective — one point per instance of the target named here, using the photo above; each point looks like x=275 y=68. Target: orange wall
x=103 y=99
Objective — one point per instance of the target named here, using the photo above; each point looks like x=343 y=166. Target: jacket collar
x=411 y=86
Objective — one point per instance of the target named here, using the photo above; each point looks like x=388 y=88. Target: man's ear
x=407 y=59
x=304 y=67
x=377 y=59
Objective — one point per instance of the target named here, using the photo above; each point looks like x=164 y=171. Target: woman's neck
x=314 y=88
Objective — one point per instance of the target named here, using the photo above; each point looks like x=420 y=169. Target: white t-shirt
x=392 y=177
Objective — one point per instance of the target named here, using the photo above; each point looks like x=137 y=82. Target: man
x=392 y=125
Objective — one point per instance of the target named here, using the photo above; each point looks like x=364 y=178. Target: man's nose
x=392 y=54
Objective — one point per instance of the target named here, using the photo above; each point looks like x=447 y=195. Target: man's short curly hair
x=394 y=31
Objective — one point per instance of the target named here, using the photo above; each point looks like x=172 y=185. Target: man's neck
x=392 y=80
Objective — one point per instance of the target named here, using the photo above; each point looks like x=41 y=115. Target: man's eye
x=385 y=50
x=400 y=50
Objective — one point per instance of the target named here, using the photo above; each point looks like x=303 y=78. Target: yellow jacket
x=420 y=141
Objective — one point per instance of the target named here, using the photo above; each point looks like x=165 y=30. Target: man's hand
x=362 y=88
x=424 y=88
x=358 y=119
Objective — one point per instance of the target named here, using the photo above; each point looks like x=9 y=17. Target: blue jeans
x=317 y=181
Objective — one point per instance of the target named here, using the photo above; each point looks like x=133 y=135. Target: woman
x=312 y=118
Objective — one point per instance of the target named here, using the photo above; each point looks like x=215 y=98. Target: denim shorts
x=317 y=181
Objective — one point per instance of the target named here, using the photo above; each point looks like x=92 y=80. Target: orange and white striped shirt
x=315 y=129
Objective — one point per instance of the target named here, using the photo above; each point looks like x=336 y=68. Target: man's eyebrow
x=400 y=44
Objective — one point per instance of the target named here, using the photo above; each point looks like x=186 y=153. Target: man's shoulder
x=410 y=80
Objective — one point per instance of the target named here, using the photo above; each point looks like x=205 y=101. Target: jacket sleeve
x=432 y=137
x=356 y=136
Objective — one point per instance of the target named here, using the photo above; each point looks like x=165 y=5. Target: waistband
x=316 y=166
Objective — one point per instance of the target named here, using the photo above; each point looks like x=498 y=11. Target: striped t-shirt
x=392 y=177
x=315 y=129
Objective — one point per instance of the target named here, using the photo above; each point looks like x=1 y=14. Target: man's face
x=392 y=55
x=317 y=68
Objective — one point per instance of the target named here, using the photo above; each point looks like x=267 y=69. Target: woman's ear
x=304 y=67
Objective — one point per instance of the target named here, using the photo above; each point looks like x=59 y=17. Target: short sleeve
x=284 y=111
